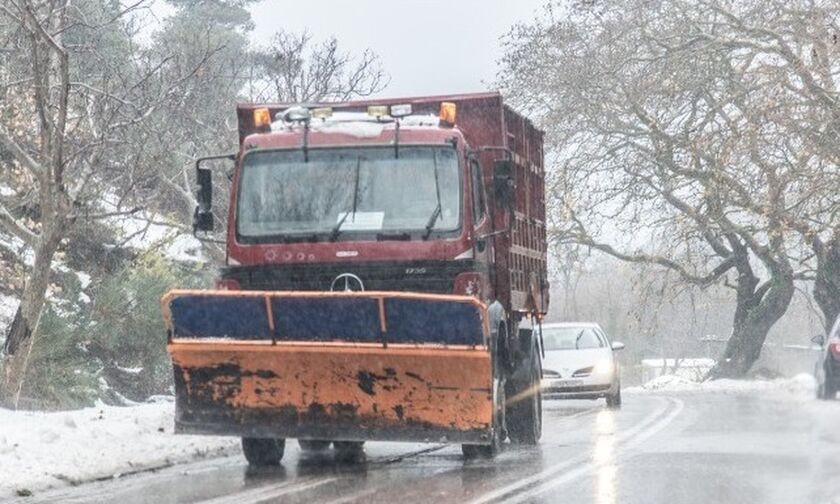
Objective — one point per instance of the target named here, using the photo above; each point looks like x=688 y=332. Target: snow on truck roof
x=358 y=124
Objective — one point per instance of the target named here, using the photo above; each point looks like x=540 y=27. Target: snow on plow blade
x=337 y=366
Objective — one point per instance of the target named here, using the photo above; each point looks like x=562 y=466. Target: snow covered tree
x=686 y=137
x=77 y=88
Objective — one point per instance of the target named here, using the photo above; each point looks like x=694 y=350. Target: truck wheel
x=263 y=451
x=313 y=445
x=349 y=451
x=614 y=400
x=524 y=414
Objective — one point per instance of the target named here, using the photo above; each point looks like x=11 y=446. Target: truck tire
x=349 y=451
x=313 y=445
x=524 y=414
x=263 y=451
x=524 y=411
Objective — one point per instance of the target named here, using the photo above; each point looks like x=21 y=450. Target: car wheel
x=826 y=389
x=614 y=400
x=313 y=445
x=263 y=451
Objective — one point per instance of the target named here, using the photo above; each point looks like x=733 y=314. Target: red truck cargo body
x=514 y=266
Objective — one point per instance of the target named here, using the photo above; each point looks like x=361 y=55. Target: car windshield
x=349 y=191
x=570 y=338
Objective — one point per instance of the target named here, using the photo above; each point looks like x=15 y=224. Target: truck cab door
x=482 y=227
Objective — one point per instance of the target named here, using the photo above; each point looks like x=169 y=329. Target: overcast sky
x=426 y=46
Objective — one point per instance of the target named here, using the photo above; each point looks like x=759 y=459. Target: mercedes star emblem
x=349 y=281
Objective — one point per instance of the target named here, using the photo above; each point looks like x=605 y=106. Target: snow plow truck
x=384 y=281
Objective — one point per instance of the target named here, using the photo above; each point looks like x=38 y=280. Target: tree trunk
x=21 y=336
x=758 y=309
x=827 y=282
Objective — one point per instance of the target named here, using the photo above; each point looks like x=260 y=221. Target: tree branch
x=9 y=223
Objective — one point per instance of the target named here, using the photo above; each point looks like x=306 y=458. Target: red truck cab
x=438 y=195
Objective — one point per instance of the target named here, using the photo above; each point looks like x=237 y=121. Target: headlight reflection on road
x=604 y=458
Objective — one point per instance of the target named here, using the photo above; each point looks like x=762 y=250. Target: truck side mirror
x=503 y=183
x=203 y=216
x=819 y=339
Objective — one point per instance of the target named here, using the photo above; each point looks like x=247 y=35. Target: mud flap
x=352 y=366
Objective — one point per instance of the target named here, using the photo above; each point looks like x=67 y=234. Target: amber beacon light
x=262 y=118
x=447 y=112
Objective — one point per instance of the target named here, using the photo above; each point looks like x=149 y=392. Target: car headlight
x=603 y=366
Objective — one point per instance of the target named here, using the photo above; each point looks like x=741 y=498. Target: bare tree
x=793 y=48
x=294 y=69
x=82 y=88
x=679 y=146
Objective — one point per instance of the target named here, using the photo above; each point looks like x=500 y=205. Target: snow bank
x=40 y=450
x=803 y=383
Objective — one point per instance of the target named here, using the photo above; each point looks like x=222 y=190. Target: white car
x=580 y=363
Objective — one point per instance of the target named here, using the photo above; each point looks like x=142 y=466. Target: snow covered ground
x=42 y=450
x=802 y=384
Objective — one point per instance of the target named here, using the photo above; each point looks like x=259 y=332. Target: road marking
x=268 y=492
x=538 y=480
x=592 y=465
x=357 y=497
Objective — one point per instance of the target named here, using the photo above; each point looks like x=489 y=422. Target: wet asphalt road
x=692 y=447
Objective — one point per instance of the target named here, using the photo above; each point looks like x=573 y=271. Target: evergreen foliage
x=113 y=347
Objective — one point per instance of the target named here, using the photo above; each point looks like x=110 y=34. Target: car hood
x=566 y=362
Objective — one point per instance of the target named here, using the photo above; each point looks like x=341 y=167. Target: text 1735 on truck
x=385 y=277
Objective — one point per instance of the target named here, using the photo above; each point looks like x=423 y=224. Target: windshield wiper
x=577 y=340
x=438 y=208
x=336 y=230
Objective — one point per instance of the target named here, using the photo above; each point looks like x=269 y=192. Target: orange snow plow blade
x=333 y=366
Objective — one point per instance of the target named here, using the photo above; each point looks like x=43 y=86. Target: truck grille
x=426 y=276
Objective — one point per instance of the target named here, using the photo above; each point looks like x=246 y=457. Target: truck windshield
x=348 y=192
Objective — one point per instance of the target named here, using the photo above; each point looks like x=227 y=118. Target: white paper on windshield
x=361 y=221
